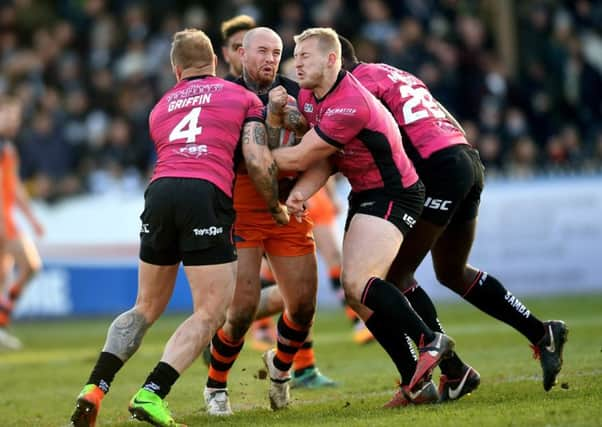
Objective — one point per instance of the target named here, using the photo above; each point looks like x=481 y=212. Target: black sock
x=490 y=296
x=104 y=371
x=335 y=283
x=422 y=303
x=161 y=379
x=382 y=297
x=395 y=344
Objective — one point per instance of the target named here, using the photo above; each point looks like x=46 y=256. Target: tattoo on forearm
x=246 y=134
x=273 y=137
x=273 y=170
x=259 y=134
x=125 y=334
x=294 y=118
x=295 y=121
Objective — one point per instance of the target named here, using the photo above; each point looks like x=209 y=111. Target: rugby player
x=188 y=218
x=453 y=176
x=354 y=134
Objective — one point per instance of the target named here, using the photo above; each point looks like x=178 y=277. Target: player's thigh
x=155 y=287
x=369 y=248
x=212 y=287
x=297 y=278
x=450 y=254
x=412 y=252
x=327 y=244
x=248 y=284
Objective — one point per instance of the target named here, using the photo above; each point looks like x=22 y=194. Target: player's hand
x=280 y=214
x=277 y=99
x=296 y=205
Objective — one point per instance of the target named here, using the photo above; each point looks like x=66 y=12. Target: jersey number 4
x=419 y=105
x=188 y=128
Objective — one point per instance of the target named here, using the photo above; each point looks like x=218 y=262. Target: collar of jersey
x=197 y=77
x=340 y=77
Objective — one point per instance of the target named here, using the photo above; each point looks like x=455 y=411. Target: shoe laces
x=220 y=398
x=536 y=351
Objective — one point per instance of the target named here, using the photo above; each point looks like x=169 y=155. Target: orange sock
x=224 y=352
x=266 y=322
x=305 y=357
x=6 y=308
x=351 y=315
x=291 y=337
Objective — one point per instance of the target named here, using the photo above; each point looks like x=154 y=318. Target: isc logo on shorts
x=439 y=204
x=211 y=231
x=409 y=220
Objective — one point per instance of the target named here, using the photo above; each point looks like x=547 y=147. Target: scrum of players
x=415 y=184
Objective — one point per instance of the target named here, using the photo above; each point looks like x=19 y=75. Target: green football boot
x=147 y=406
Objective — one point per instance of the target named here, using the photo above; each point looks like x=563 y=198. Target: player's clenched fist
x=278 y=98
x=280 y=214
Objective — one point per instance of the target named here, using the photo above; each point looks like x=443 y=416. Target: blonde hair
x=328 y=39
x=191 y=48
x=236 y=24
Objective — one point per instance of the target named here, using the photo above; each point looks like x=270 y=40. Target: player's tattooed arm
x=294 y=120
x=125 y=334
x=262 y=168
x=273 y=135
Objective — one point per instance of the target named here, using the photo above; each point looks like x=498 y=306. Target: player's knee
x=150 y=310
x=353 y=286
x=33 y=270
x=237 y=324
x=450 y=278
x=303 y=315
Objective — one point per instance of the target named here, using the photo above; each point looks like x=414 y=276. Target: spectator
x=81 y=64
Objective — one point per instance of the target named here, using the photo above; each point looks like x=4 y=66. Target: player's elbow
x=254 y=165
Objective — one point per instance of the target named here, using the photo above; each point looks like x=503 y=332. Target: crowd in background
x=527 y=88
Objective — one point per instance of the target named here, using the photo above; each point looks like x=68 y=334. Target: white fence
x=536 y=237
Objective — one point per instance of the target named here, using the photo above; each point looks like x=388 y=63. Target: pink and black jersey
x=196 y=127
x=370 y=150
x=424 y=126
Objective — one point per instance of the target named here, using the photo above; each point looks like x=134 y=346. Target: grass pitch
x=38 y=385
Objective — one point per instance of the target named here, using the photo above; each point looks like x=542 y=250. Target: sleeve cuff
x=326 y=138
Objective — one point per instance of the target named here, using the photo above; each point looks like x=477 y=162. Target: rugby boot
x=149 y=407
x=430 y=355
x=361 y=334
x=424 y=393
x=312 y=378
x=454 y=388
x=9 y=341
x=217 y=401
x=549 y=351
x=87 y=406
x=279 y=392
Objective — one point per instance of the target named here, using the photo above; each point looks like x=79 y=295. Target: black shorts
x=402 y=210
x=188 y=220
x=453 y=178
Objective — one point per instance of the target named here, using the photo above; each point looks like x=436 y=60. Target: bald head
x=259 y=35
x=261 y=54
